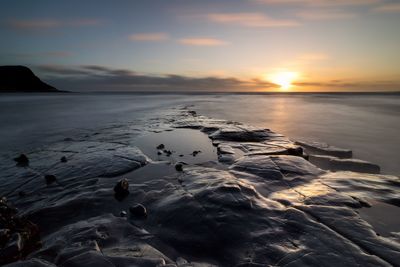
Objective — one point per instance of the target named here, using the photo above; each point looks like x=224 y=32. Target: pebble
x=160 y=146
x=138 y=210
x=22 y=160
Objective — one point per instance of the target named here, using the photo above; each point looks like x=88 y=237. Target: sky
x=205 y=45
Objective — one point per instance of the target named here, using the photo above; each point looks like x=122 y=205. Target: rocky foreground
x=98 y=200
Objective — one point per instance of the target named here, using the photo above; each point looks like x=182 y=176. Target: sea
x=369 y=124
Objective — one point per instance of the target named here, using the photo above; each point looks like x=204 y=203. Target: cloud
x=43 y=24
x=343 y=85
x=149 y=37
x=202 y=41
x=250 y=20
x=321 y=2
x=42 y=54
x=388 y=8
x=325 y=15
x=100 y=78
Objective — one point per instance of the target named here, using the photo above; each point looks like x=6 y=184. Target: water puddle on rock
x=186 y=145
x=384 y=218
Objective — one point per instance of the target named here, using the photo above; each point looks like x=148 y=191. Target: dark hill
x=21 y=79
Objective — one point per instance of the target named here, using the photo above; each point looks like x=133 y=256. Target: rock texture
x=21 y=79
x=261 y=204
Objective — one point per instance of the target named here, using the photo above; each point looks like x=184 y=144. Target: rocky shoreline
x=261 y=200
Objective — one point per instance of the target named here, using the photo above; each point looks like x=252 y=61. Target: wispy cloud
x=101 y=78
x=42 y=24
x=250 y=20
x=202 y=41
x=317 y=14
x=388 y=8
x=321 y=2
x=43 y=54
x=149 y=37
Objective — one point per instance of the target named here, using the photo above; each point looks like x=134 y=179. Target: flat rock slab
x=261 y=204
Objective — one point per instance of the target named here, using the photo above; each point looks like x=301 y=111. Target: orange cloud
x=149 y=37
x=325 y=15
x=250 y=20
x=202 y=41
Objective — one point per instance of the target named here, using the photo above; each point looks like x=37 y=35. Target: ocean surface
x=367 y=124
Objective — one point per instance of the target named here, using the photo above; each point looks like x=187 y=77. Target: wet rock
x=338 y=164
x=192 y=112
x=49 y=178
x=63 y=159
x=22 y=160
x=123 y=213
x=194 y=153
x=161 y=146
x=179 y=167
x=138 y=211
x=241 y=133
x=324 y=149
x=121 y=189
x=167 y=152
x=18 y=236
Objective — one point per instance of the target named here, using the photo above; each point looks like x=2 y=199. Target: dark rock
x=18 y=238
x=295 y=151
x=21 y=193
x=179 y=167
x=159 y=153
x=160 y=146
x=22 y=160
x=194 y=153
x=63 y=159
x=121 y=189
x=68 y=139
x=21 y=79
x=193 y=113
x=168 y=152
x=138 y=211
x=123 y=213
x=50 y=179
x=180 y=155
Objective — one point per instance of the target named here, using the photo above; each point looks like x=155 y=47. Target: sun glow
x=284 y=79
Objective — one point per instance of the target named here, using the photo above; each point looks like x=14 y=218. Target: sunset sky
x=209 y=45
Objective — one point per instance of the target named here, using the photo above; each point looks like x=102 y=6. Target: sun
x=283 y=78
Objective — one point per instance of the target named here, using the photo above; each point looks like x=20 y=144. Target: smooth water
x=367 y=124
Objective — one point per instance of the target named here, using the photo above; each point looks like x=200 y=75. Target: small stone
x=22 y=160
x=138 y=210
x=63 y=159
x=68 y=139
x=193 y=113
x=168 y=152
x=159 y=153
x=180 y=155
x=121 y=189
x=123 y=213
x=179 y=167
x=194 y=153
x=50 y=179
x=160 y=146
